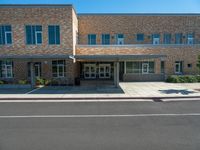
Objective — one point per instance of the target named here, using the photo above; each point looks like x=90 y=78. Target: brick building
x=55 y=43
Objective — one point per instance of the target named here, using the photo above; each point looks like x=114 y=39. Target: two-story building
x=55 y=43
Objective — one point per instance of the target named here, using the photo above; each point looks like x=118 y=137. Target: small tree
x=198 y=63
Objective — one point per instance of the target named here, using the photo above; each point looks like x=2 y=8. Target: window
x=120 y=39
x=58 y=68
x=105 y=39
x=162 y=67
x=33 y=34
x=178 y=38
x=156 y=39
x=140 y=37
x=178 y=67
x=6 y=69
x=189 y=65
x=54 y=34
x=91 y=39
x=190 y=39
x=37 y=69
x=5 y=34
x=167 y=38
x=140 y=67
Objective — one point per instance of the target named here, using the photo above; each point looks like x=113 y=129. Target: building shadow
x=175 y=91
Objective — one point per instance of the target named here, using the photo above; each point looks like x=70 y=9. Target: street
x=146 y=125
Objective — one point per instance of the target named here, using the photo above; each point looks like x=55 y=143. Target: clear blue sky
x=122 y=6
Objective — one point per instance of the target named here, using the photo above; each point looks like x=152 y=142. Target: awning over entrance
x=117 y=57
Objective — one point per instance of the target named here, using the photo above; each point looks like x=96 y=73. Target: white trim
x=6 y=40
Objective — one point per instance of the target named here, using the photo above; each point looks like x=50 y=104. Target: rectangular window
x=162 y=67
x=91 y=39
x=190 y=38
x=33 y=34
x=119 y=39
x=140 y=37
x=58 y=68
x=54 y=34
x=167 y=38
x=140 y=67
x=105 y=39
x=6 y=69
x=5 y=34
x=178 y=67
x=178 y=38
x=155 y=39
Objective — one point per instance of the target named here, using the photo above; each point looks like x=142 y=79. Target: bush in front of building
x=183 y=79
x=1 y=82
x=22 y=82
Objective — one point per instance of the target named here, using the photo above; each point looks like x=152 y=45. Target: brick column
x=157 y=66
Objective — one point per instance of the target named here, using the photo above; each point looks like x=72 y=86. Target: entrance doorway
x=89 y=71
x=104 y=70
x=145 y=68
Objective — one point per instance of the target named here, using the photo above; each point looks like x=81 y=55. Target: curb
x=157 y=99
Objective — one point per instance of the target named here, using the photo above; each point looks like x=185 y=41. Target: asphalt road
x=100 y=126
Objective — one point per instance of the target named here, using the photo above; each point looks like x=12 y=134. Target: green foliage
x=40 y=81
x=183 y=79
x=1 y=82
x=22 y=82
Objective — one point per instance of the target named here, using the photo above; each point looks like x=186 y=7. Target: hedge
x=183 y=79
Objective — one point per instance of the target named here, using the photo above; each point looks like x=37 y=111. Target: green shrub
x=183 y=79
x=22 y=81
x=1 y=82
x=40 y=81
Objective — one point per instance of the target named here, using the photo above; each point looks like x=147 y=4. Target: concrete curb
x=100 y=98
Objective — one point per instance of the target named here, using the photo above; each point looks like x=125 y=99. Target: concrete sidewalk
x=126 y=90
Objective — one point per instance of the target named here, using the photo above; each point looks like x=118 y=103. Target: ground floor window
x=178 y=67
x=37 y=69
x=140 y=67
x=162 y=67
x=6 y=69
x=58 y=68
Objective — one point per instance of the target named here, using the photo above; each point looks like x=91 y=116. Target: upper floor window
x=140 y=37
x=91 y=39
x=5 y=34
x=33 y=34
x=120 y=39
x=178 y=38
x=167 y=38
x=105 y=39
x=58 y=68
x=190 y=38
x=6 y=69
x=156 y=38
x=54 y=34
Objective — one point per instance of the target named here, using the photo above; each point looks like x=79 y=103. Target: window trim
x=55 y=33
x=35 y=33
x=5 y=34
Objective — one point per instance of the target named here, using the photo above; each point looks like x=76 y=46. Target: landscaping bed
x=183 y=79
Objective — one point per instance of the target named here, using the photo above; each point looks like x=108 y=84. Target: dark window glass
x=189 y=65
x=33 y=34
x=178 y=38
x=105 y=39
x=92 y=39
x=58 y=68
x=140 y=37
x=54 y=34
x=5 y=34
x=167 y=39
x=162 y=65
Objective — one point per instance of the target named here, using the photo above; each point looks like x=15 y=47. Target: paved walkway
x=127 y=89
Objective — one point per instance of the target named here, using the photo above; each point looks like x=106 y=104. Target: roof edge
x=34 y=5
x=139 y=14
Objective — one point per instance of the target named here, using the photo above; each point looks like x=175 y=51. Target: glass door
x=104 y=70
x=89 y=71
x=145 y=68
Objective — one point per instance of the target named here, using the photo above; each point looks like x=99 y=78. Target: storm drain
x=157 y=100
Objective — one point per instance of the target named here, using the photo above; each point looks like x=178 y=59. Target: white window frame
x=63 y=68
x=179 y=68
x=190 y=41
x=120 y=39
x=156 y=39
x=36 y=39
x=5 y=70
x=147 y=68
x=6 y=40
x=104 y=70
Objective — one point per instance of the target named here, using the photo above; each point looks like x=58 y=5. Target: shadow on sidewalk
x=175 y=91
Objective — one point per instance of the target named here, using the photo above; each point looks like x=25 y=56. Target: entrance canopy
x=116 y=57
